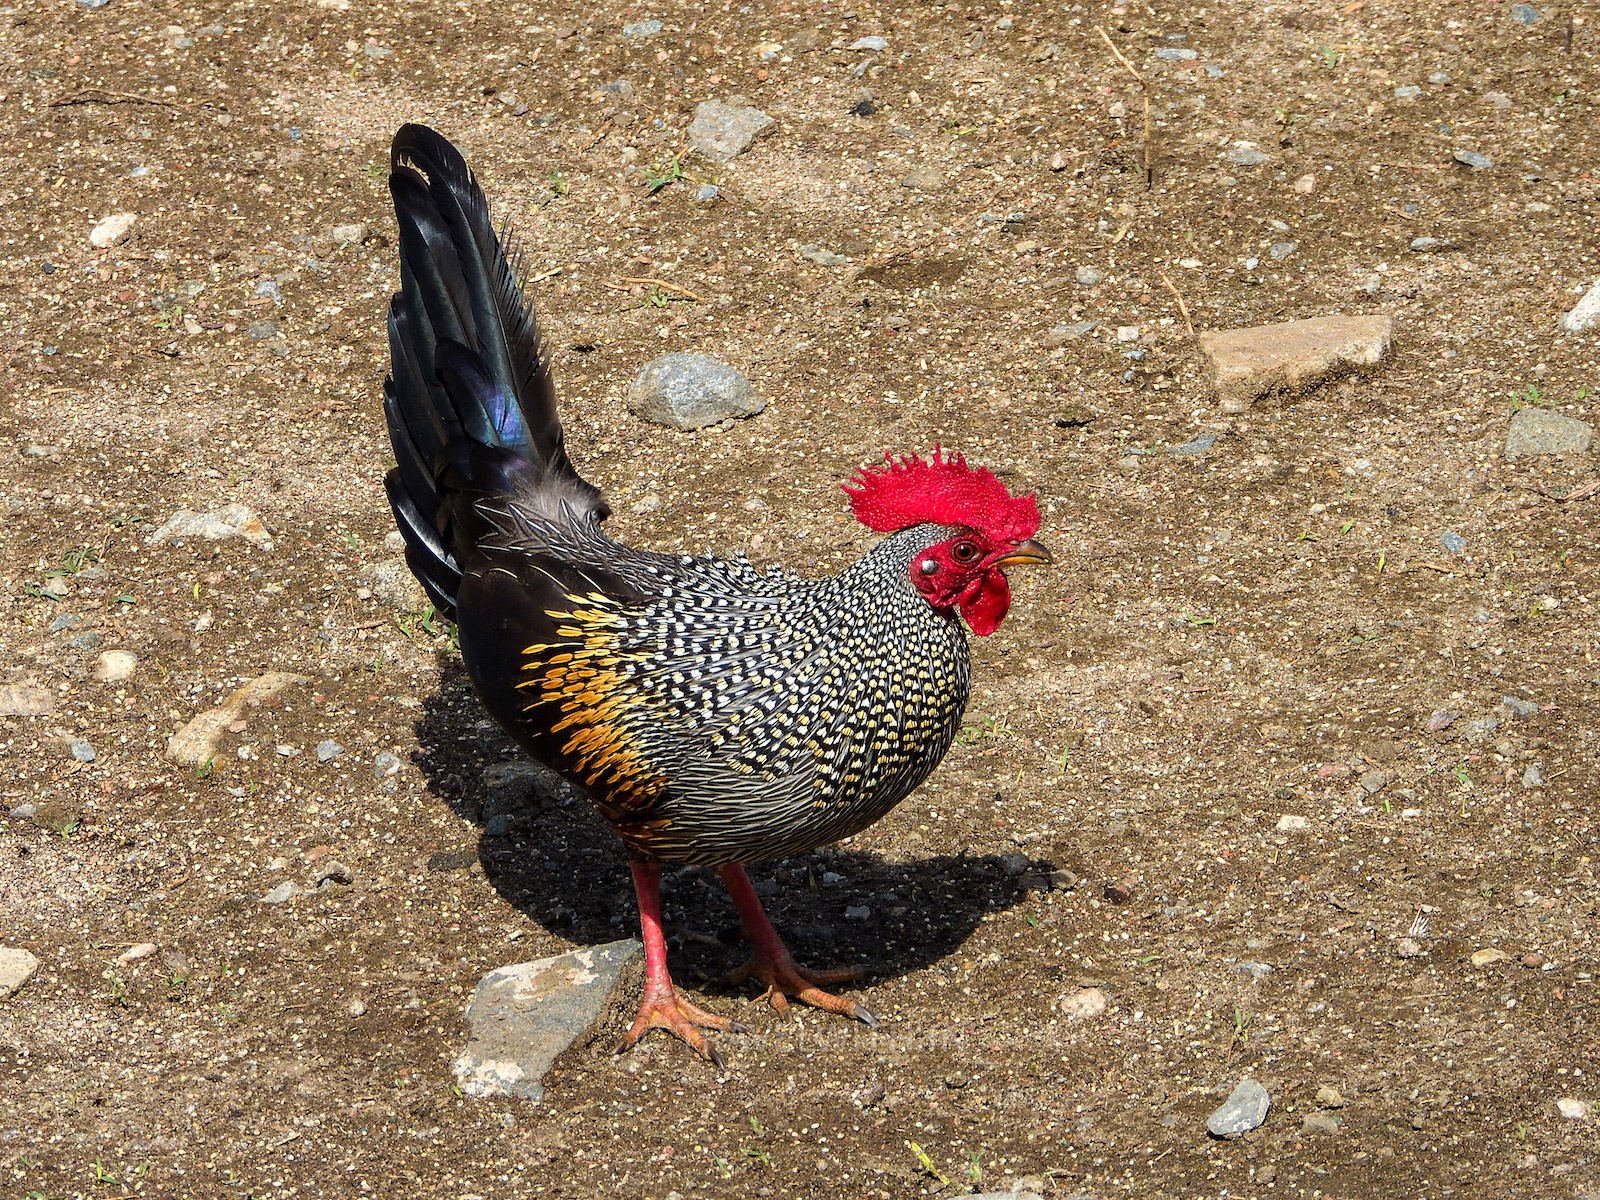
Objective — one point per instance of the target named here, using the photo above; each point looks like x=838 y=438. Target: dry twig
x=621 y=286
x=99 y=95
x=1149 y=171
x=1182 y=307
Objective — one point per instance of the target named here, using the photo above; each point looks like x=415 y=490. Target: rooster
x=715 y=713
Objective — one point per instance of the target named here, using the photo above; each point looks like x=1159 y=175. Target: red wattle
x=985 y=606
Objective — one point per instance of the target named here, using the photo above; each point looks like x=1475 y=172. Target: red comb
x=911 y=491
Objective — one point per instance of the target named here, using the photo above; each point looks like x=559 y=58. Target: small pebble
x=332 y=871
x=1409 y=92
x=1321 y=1122
x=357 y=1007
x=1453 y=542
x=385 y=766
x=1256 y=970
x=1246 y=156
x=1439 y=77
x=1329 y=1096
x=858 y=912
x=1524 y=14
x=869 y=43
x=1292 y=823
x=1409 y=948
x=1492 y=954
x=1442 y=718
x=134 y=953
x=112 y=231
x=1176 y=54
x=1471 y=158
x=1574 y=1110
x=283 y=893
x=641 y=29
x=328 y=750
x=81 y=750
x=1089 y=276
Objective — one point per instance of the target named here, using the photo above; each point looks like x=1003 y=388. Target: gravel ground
x=1285 y=771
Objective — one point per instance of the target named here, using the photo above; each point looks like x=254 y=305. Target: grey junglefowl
x=714 y=713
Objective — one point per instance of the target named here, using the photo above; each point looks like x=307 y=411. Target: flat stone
x=642 y=29
x=1321 y=1122
x=283 y=893
x=1536 y=430
x=869 y=43
x=1584 y=315
x=723 y=131
x=1573 y=1109
x=19 y=700
x=1293 y=357
x=217 y=525
x=1409 y=948
x=925 y=179
x=115 y=666
x=356 y=232
x=196 y=743
x=1292 y=823
x=112 y=231
x=17 y=966
x=823 y=258
x=691 y=391
x=523 y=1017
x=1246 y=156
x=1452 y=541
x=1241 y=1112
x=1256 y=970
x=1492 y=954
x=1517 y=708
x=328 y=750
x=1329 y=1096
x=1084 y=1003
x=1471 y=158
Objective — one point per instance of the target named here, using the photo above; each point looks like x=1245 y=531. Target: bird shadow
x=548 y=853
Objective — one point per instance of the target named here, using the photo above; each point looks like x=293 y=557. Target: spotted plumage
x=715 y=713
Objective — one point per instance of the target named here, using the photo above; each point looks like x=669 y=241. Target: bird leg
x=662 y=1007
x=773 y=965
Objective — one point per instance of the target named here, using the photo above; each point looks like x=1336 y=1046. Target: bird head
x=990 y=529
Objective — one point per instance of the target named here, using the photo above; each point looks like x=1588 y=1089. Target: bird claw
x=664 y=1008
x=784 y=979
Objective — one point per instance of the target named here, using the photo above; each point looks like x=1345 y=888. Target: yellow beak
x=1029 y=554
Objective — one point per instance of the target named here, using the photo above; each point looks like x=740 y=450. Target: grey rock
x=374 y=51
x=869 y=43
x=1518 y=709
x=1409 y=92
x=328 y=750
x=1533 y=777
x=1524 y=14
x=1022 y=1194
x=1246 y=156
x=497 y=827
x=81 y=750
x=522 y=1017
x=218 y=525
x=283 y=893
x=722 y=131
x=823 y=258
x=1176 y=54
x=925 y=179
x=1195 y=448
x=1241 y=1112
x=706 y=193
x=1256 y=970
x=1374 y=781
x=642 y=29
x=17 y=966
x=1539 y=431
x=691 y=391
x=1089 y=276
x=1442 y=718
x=1282 y=250
x=1426 y=245
x=1409 y=948
x=355 y=232
x=385 y=766
x=1329 y=1096
x=25 y=811
x=261 y=331
x=858 y=912
x=1453 y=542
x=1439 y=77
x=393 y=583
x=268 y=289
x=1585 y=314
x=618 y=87
x=1471 y=158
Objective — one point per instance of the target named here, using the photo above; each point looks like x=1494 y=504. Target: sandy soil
x=1259 y=631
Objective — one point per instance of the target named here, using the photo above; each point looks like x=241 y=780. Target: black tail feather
x=470 y=403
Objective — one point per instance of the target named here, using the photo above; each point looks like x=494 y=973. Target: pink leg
x=773 y=965
x=662 y=1007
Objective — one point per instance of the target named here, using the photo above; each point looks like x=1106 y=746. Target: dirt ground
x=1265 y=628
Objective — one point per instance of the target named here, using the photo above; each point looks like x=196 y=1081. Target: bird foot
x=784 y=979
x=663 y=1008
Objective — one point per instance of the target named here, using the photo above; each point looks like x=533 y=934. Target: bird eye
x=964 y=552
x=929 y=566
